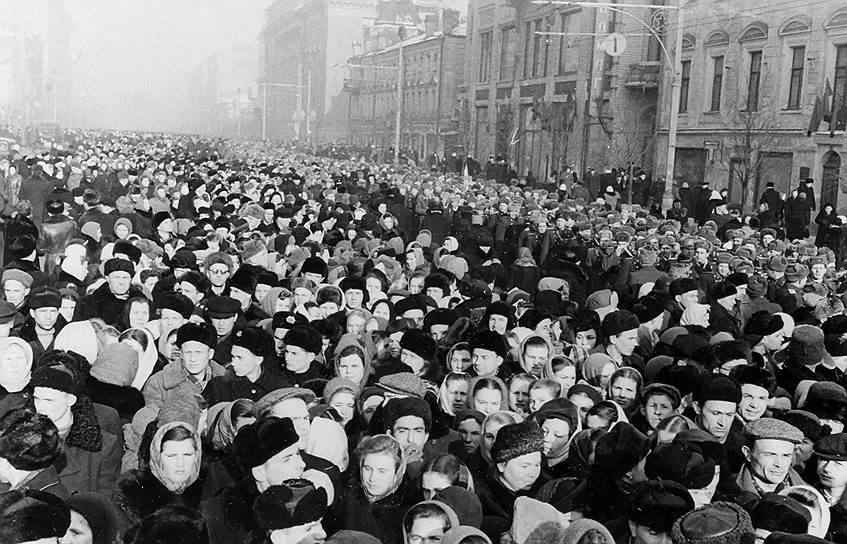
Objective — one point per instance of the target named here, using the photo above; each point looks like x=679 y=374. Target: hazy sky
x=137 y=54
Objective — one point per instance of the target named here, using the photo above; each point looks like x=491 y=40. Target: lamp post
x=675 y=65
x=265 y=86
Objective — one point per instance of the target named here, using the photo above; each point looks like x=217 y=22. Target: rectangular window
x=754 y=81
x=537 y=54
x=685 y=84
x=717 y=84
x=486 y=40
x=527 y=50
x=795 y=87
x=839 y=99
x=507 y=54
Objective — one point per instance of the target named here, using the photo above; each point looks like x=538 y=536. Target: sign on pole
x=614 y=44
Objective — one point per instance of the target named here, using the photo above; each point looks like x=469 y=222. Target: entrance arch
x=830 y=179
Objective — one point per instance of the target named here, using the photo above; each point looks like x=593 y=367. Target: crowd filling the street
x=220 y=341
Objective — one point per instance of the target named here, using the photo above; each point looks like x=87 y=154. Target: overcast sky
x=137 y=54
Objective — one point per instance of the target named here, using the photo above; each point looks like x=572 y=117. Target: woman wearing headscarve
x=560 y=422
x=525 y=271
x=172 y=477
x=15 y=373
x=379 y=494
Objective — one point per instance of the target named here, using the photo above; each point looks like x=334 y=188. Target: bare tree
x=633 y=139
x=751 y=134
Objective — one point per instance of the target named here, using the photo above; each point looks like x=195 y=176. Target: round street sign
x=614 y=44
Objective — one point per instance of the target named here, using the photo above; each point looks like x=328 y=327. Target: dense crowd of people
x=210 y=341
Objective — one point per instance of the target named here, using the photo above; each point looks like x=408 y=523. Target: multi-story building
x=433 y=68
x=37 y=79
x=542 y=93
x=303 y=47
x=754 y=74
x=224 y=93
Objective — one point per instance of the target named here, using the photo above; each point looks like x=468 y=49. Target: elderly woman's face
x=14 y=364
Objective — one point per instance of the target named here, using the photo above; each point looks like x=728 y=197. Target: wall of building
x=711 y=143
x=547 y=103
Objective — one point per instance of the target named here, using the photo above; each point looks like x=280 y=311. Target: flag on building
x=822 y=111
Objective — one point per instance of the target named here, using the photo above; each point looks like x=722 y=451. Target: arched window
x=837 y=20
x=796 y=25
x=718 y=37
x=688 y=41
x=755 y=31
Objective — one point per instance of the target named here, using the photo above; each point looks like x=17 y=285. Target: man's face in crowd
x=416 y=285
x=498 y=323
x=625 y=342
x=15 y=292
x=171 y=319
x=196 y=357
x=298 y=412
x=119 y=283
x=715 y=417
x=832 y=473
x=534 y=359
x=45 y=318
x=410 y=432
x=218 y=274
x=754 y=401
x=485 y=362
x=688 y=298
x=769 y=460
x=297 y=359
x=656 y=408
x=223 y=325
x=52 y=403
x=354 y=298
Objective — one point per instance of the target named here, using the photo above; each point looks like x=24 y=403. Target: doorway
x=830 y=181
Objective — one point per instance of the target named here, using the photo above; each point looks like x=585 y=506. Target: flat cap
x=222 y=307
x=768 y=428
x=266 y=403
x=832 y=447
x=403 y=383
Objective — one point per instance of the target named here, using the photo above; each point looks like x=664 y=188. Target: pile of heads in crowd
x=205 y=341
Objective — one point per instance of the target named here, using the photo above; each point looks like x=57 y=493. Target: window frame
x=796 y=74
x=717 y=83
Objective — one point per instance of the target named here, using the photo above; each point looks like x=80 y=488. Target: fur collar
x=85 y=432
x=139 y=494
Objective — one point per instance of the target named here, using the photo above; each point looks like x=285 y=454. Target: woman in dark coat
x=826 y=218
x=172 y=477
x=379 y=494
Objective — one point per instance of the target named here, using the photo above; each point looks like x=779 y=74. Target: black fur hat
x=256 y=443
x=28 y=441
x=296 y=502
x=29 y=515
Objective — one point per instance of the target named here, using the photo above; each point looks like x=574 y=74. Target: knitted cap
x=517 y=439
x=117 y=364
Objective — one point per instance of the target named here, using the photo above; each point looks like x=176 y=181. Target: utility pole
x=676 y=90
x=398 y=119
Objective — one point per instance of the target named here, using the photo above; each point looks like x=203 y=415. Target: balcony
x=643 y=75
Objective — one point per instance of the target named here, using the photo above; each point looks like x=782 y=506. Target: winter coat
x=103 y=304
x=91 y=458
x=173 y=383
x=139 y=493
x=126 y=400
x=498 y=502
x=382 y=518
x=438 y=226
x=43 y=480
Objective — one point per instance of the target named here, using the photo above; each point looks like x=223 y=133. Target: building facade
x=37 y=64
x=304 y=45
x=754 y=75
x=224 y=93
x=543 y=93
x=433 y=70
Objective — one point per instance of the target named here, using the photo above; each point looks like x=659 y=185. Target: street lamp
x=675 y=66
